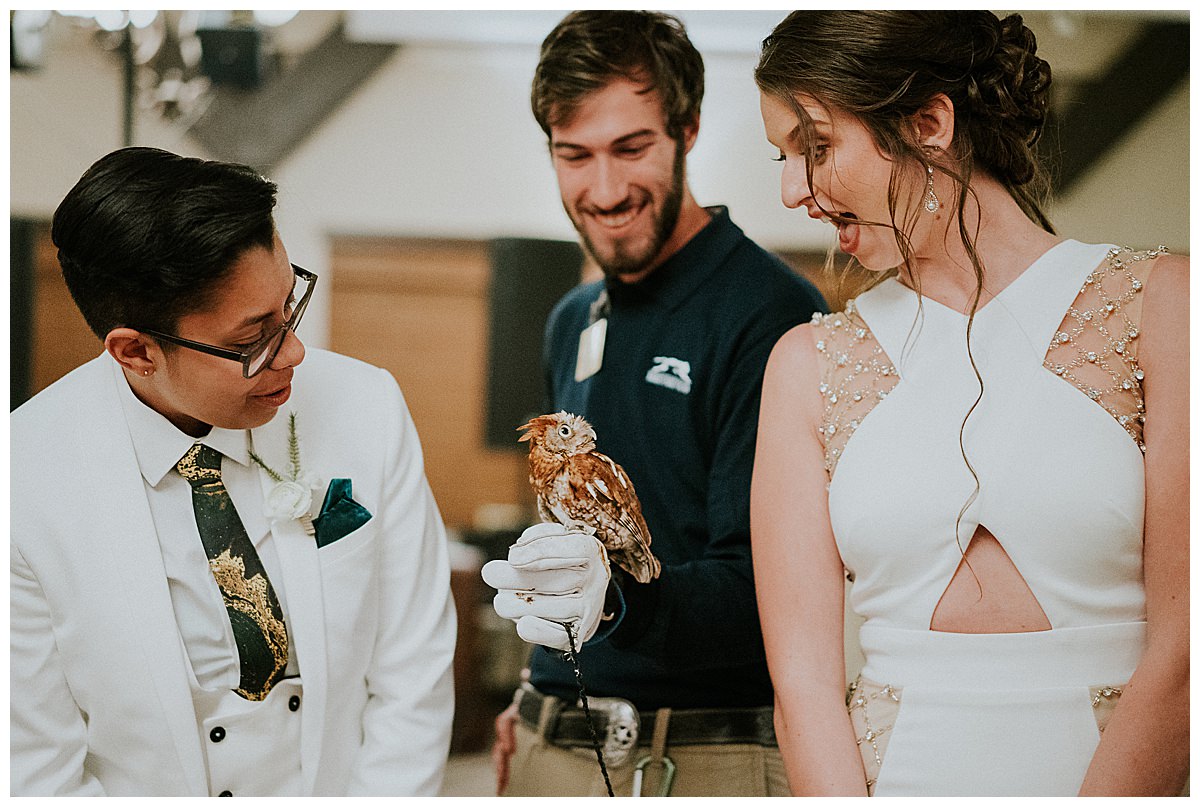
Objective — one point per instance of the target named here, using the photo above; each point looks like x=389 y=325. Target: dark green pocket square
x=340 y=514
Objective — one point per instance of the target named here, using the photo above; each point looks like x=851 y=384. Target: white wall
x=64 y=117
x=440 y=142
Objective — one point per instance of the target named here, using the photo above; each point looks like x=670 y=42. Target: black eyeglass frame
x=244 y=356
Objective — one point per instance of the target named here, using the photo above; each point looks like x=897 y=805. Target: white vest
x=251 y=748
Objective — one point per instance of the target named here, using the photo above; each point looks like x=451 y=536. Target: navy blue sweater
x=676 y=403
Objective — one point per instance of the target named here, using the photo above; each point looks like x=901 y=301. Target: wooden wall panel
x=61 y=338
x=418 y=308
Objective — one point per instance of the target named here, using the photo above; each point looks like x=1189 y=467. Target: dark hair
x=145 y=234
x=885 y=66
x=589 y=49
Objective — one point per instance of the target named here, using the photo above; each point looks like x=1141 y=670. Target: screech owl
x=575 y=484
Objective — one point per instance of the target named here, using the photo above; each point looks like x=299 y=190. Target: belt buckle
x=621 y=727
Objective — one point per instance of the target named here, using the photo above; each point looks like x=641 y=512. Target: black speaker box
x=528 y=277
x=231 y=56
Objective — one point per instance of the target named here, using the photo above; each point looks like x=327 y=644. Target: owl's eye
x=564 y=430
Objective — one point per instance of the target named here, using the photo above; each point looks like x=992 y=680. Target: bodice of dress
x=1050 y=455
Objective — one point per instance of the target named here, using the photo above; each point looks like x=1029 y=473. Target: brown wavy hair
x=589 y=49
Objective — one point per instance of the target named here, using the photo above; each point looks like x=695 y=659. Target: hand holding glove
x=553 y=575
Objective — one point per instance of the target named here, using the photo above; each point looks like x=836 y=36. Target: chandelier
x=171 y=59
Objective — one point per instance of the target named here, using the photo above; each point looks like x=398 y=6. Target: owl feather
x=577 y=486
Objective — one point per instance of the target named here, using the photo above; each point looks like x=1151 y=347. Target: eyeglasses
x=258 y=356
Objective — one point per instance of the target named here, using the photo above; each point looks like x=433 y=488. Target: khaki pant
x=541 y=769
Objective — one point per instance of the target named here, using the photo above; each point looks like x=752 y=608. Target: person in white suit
x=228 y=574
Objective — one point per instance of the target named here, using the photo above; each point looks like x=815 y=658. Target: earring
x=931 y=201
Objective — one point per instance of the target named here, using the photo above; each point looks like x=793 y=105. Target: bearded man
x=665 y=358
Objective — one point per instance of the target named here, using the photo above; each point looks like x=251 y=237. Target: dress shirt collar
x=158 y=444
x=674 y=281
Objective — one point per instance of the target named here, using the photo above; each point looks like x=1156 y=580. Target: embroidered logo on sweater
x=671 y=373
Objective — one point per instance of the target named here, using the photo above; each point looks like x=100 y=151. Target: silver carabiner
x=668 y=776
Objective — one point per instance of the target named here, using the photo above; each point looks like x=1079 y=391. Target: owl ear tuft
x=535 y=427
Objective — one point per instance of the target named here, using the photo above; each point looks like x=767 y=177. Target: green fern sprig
x=293 y=455
x=293 y=446
x=271 y=472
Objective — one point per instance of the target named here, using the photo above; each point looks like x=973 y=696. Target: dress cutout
x=1095 y=347
x=1059 y=480
x=873 y=708
x=856 y=376
x=987 y=586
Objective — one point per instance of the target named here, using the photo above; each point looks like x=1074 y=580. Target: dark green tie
x=250 y=600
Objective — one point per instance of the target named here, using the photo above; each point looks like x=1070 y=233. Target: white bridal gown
x=1056 y=445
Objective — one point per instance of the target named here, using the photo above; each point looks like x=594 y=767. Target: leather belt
x=569 y=728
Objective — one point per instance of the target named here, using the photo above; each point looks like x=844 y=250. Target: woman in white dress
x=991 y=443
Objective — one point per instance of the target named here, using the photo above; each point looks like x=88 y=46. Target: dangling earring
x=931 y=201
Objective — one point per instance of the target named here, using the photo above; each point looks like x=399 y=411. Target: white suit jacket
x=100 y=699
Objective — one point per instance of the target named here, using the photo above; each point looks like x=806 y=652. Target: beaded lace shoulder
x=856 y=374
x=1095 y=348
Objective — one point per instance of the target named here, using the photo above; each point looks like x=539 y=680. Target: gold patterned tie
x=250 y=600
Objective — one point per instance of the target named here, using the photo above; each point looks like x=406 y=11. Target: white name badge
x=591 y=349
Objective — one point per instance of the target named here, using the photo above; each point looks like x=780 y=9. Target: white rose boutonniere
x=292 y=496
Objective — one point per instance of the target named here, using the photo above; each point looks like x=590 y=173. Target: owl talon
x=579 y=526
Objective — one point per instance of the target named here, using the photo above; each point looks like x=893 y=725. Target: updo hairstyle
x=885 y=66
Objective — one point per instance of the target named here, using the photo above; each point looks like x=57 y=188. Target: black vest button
x=294 y=703
x=224 y=793
x=217 y=734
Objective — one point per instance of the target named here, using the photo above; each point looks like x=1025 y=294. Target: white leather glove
x=553 y=575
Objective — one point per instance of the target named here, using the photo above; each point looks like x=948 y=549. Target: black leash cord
x=574 y=659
